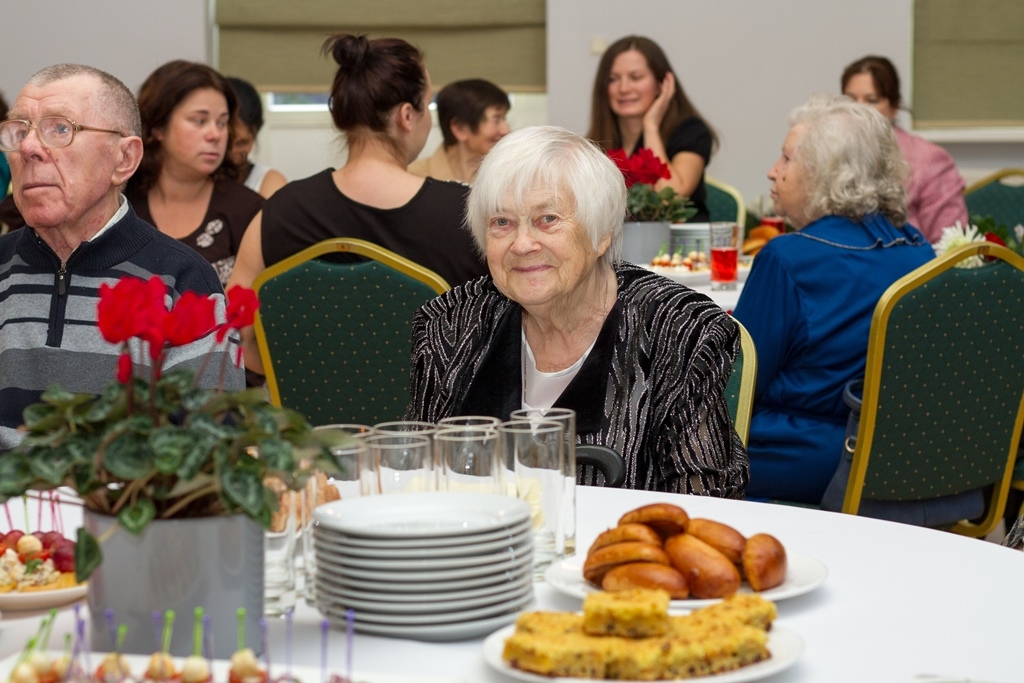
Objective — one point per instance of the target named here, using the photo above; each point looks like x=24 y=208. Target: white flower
x=957 y=236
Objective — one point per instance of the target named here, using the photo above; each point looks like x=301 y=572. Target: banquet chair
x=1000 y=195
x=725 y=203
x=739 y=390
x=601 y=459
x=334 y=335
x=943 y=401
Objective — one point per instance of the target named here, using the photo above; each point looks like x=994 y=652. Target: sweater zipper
x=55 y=334
x=61 y=284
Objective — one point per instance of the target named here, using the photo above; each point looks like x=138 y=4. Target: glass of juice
x=725 y=242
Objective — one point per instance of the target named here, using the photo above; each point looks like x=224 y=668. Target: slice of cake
x=571 y=655
x=636 y=613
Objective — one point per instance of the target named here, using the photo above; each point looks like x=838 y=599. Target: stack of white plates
x=431 y=566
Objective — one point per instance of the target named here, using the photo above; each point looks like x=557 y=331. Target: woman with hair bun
x=638 y=102
x=379 y=101
x=186 y=184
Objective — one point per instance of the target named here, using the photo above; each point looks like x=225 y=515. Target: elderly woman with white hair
x=810 y=295
x=561 y=322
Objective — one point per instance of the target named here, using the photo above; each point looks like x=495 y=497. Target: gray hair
x=852 y=161
x=571 y=166
x=113 y=96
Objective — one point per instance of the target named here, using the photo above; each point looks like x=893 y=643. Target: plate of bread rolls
x=697 y=561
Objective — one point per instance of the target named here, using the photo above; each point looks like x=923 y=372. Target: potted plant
x=652 y=211
x=159 y=449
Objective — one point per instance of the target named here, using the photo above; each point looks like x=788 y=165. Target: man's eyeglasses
x=53 y=131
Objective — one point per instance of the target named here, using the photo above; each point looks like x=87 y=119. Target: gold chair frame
x=337 y=245
x=994 y=177
x=748 y=381
x=876 y=348
x=741 y=206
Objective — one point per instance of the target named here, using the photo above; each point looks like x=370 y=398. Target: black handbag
x=943 y=511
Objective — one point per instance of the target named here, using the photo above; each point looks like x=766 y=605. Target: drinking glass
x=725 y=242
x=402 y=462
x=567 y=418
x=279 y=584
x=468 y=458
x=535 y=448
x=479 y=421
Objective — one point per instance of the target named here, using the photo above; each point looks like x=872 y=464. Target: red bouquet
x=643 y=167
x=641 y=171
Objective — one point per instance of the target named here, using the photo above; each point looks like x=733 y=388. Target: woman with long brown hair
x=186 y=183
x=638 y=102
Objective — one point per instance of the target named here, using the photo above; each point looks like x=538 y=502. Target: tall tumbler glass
x=402 y=462
x=567 y=418
x=536 y=450
x=468 y=458
x=279 y=574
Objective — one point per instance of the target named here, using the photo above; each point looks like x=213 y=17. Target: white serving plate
x=438 y=543
x=368 y=603
x=509 y=563
x=422 y=553
x=803 y=574
x=45 y=599
x=433 y=587
x=423 y=515
x=785 y=647
x=437 y=633
x=336 y=610
x=410 y=599
x=341 y=558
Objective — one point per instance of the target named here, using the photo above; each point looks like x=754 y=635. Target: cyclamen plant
x=161 y=447
x=641 y=172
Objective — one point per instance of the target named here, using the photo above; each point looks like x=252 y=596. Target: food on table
x=245 y=668
x=705 y=558
x=113 y=668
x=726 y=636
x=692 y=260
x=662 y=258
x=35 y=562
x=634 y=613
x=758 y=237
x=764 y=562
x=647 y=575
x=195 y=669
x=325 y=493
x=602 y=560
x=709 y=573
x=665 y=518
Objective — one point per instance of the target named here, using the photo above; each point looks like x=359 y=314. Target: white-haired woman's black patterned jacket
x=652 y=387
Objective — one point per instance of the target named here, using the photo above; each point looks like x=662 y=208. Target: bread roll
x=646 y=575
x=753 y=245
x=721 y=537
x=626 y=532
x=602 y=560
x=764 y=562
x=665 y=518
x=709 y=573
x=763 y=232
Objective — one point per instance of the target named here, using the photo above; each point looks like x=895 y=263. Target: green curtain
x=277 y=45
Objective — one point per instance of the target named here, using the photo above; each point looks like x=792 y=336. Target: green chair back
x=944 y=384
x=739 y=390
x=335 y=336
x=1000 y=195
x=725 y=203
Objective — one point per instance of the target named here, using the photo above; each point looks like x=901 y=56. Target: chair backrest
x=725 y=203
x=739 y=390
x=335 y=336
x=605 y=460
x=1000 y=195
x=943 y=401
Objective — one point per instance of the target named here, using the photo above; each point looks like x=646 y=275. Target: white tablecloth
x=899 y=601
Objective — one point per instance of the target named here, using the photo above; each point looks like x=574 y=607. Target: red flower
x=124 y=368
x=994 y=238
x=242 y=305
x=132 y=308
x=191 y=318
x=644 y=167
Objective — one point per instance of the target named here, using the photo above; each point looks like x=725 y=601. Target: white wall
x=128 y=38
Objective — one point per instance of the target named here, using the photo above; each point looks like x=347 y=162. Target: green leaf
x=196 y=458
x=128 y=456
x=135 y=517
x=55 y=395
x=84 y=477
x=15 y=474
x=87 y=555
x=170 y=444
x=32 y=565
x=53 y=465
x=205 y=425
x=41 y=417
x=245 y=488
x=277 y=455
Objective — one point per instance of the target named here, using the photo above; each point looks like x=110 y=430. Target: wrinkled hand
x=659 y=107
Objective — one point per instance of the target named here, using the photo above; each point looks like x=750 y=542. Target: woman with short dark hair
x=186 y=185
x=254 y=175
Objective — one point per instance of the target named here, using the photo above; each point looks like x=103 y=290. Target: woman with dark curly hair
x=186 y=184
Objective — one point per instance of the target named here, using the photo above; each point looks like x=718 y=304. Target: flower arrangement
x=982 y=229
x=161 y=447
x=641 y=171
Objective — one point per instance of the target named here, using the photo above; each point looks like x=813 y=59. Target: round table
x=899 y=602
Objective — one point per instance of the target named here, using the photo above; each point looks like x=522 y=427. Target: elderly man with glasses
x=72 y=141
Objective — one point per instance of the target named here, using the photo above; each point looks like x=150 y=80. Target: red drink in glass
x=723 y=264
